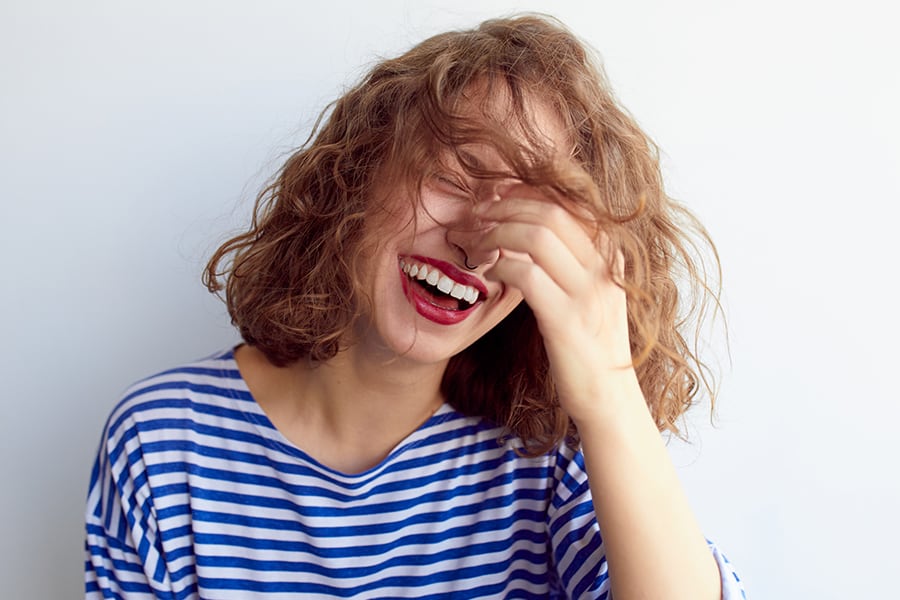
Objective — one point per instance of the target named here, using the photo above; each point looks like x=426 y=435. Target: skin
x=349 y=412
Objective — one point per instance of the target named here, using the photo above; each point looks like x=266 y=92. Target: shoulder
x=184 y=394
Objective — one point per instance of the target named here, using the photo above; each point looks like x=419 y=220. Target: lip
x=434 y=313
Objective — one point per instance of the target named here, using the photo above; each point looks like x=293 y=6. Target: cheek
x=395 y=227
x=388 y=236
x=392 y=215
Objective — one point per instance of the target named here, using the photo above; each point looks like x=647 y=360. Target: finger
x=539 y=290
x=547 y=214
x=544 y=248
x=571 y=230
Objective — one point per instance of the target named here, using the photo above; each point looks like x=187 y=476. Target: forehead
x=528 y=118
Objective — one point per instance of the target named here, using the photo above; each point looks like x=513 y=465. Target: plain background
x=134 y=137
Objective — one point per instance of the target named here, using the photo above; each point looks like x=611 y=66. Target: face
x=429 y=292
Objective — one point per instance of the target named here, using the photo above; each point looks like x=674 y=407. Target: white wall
x=133 y=137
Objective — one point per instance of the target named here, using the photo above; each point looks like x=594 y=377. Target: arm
x=579 y=551
x=122 y=547
x=645 y=516
x=647 y=524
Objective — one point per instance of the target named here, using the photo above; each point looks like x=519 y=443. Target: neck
x=348 y=412
x=357 y=393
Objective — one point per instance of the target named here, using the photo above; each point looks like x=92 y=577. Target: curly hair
x=292 y=280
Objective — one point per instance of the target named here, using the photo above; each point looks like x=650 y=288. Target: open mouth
x=435 y=292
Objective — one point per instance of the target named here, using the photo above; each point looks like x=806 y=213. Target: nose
x=466 y=234
x=470 y=253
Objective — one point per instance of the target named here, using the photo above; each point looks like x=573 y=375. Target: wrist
x=616 y=401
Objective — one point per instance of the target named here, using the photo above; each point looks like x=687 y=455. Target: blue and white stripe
x=195 y=494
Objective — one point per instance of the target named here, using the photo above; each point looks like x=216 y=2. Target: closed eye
x=452 y=184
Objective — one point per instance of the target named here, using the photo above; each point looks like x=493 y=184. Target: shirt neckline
x=275 y=439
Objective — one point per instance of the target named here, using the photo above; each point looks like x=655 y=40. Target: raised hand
x=567 y=279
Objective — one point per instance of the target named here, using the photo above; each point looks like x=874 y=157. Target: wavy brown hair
x=292 y=281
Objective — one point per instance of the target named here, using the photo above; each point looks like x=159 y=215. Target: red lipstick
x=424 y=303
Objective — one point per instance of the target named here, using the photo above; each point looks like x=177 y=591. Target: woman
x=459 y=315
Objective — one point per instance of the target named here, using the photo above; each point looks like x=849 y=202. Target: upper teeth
x=432 y=276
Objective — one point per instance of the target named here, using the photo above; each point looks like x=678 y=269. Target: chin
x=422 y=347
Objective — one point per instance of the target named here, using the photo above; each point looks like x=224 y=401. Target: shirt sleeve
x=732 y=588
x=578 y=551
x=122 y=546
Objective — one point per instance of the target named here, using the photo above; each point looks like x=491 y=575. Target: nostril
x=465 y=256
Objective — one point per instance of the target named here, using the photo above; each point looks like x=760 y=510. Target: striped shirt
x=195 y=494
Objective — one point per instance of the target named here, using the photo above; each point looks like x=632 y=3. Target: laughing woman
x=459 y=317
